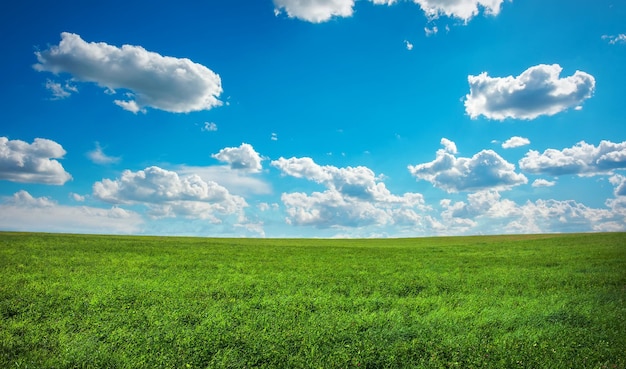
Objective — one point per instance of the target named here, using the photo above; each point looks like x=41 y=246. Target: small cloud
x=274 y=137
x=409 y=46
x=619 y=39
x=130 y=106
x=314 y=11
x=60 y=91
x=431 y=31
x=98 y=156
x=243 y=157
x=77 y=197
x=209 y=127
x=448 y=145
x=515 y=141
x=543 y=183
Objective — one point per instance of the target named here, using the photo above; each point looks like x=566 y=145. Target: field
x=542 y=301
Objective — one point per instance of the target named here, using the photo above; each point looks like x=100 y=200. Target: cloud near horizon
x=488 y=209
x=23 y=212
x=484 y=170
x=167 y=195
x=32 y=163
x=171 y=84
x=581 y=159
x=354 y=197
x=537 y=91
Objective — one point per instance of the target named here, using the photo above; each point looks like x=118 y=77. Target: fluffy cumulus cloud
x=484 y=170
x=537 y=91
x=32 y=163
x=167 y=195
x=243 y=157
x=23 y=212
x=354 y=197
x=488 y=212
x=582 y=159
x=315 y=11
x=515 y=141
x=461 y=9
x=161 y=82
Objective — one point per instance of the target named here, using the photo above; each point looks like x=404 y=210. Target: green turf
x=78 y=301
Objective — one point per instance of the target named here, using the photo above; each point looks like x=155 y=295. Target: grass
x=82 y=301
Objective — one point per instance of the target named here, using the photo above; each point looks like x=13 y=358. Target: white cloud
x=243 y=157
x=409 y=46
x=461 y=9
x=167 y=195
x=98 y=156
x=274 y=137
x=582 y=159
x=60 y=91
x=448 y=146
x=237 y=182
x=161 y=82
x=619 y=182
x=619 y=39
x=354 y=197
x=77 y=197
x=209 y=127
x=431 y=31
x=487 y=212
x=32 y=163
x=515 y=141
x=315 y=11
x=537 y=91
x=23 y=212
x=543 y=183
x=484 y=170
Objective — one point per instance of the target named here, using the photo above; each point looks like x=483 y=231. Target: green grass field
x=545 y=301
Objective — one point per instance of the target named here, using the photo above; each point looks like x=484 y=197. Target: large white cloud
x=354 y=197
x=461 y=9
x=582 y=158
x=315 y=11
x=537 y=91
x=168 y=195
x=242 y=157
x=484 y=170
x=32 y=163
x=23 y=212
x=162 y=82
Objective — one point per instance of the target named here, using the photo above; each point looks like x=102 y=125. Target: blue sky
x=313 y=118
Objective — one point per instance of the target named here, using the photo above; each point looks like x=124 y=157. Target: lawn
x=536 y=301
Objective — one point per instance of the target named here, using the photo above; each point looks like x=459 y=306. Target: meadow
x=533 y=301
